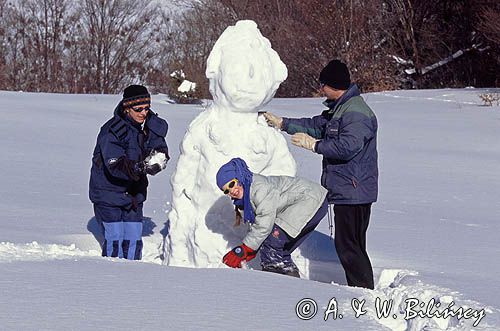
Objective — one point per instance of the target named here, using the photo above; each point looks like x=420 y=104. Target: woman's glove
x=156 y=161
x=144 y=167
x=153 y=169
x=237 y=255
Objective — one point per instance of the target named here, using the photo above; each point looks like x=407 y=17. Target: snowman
x=244 y=74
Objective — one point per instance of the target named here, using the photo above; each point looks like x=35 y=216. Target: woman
x=118 y=183
x=282 y=212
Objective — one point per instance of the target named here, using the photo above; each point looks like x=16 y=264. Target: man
x=118 y=182
x=346 y=136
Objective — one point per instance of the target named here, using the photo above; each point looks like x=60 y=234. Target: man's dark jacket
x=116 y=178
x=348 y=133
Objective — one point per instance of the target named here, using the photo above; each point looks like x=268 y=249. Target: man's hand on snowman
x=304 y=140
x=273 y=120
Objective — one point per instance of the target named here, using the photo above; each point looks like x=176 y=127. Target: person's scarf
x=237 y=168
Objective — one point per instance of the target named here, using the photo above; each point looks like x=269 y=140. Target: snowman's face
x=243 y=69
x=247 y=79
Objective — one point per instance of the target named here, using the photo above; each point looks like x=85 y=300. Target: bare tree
x=4 y=15
x=197 y=28
x=164 y=49
x=116 y=41
x=489 y=22
x=437 y=40
x=308 y=34
x=22 y=72
x=47 y=20
x=34 y=49
x=489 y=25
x=98 y=46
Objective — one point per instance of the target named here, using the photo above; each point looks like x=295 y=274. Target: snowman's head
x=244 y=71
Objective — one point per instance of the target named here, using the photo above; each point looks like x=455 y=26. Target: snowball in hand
x=158 y=158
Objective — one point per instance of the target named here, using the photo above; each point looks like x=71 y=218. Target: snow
x=10 y=252
x=401 y=60
x=186 y=86
x=158 y=158
x=202 y=218
x=244 y=71
x=178 y=74
x=433 y=233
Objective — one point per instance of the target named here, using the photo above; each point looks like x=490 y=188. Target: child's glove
x=238 y=254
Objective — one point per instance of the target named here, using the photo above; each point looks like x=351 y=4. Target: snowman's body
x=244 y=73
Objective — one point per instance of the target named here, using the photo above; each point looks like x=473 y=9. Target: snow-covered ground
x=434 y=233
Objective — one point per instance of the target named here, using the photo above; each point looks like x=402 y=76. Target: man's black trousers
x=351 y=223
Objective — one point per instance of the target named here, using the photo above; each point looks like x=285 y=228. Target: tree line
x=100 y=46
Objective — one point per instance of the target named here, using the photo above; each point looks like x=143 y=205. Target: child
x=282 y=212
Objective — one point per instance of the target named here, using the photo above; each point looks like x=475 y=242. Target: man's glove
x=304 y=140
x=237 y=255
x=273 y=120
x=153 y=169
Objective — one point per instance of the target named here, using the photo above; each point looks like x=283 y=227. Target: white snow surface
x=433 y=233
x=178 y=73
x=202 y=218
x=186 y=86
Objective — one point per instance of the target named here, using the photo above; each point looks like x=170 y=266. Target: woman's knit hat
x=135 y=95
